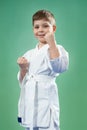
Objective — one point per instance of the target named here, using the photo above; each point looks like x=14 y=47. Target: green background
x=16 y=37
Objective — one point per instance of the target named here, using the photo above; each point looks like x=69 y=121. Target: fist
x=50 y=38
x=23 y=62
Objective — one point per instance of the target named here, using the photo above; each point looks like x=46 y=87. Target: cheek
x=50 y=29
x=35 y=32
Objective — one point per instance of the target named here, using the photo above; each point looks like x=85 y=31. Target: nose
x=40 y=29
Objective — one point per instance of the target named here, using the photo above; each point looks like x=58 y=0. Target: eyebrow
x=42 y=24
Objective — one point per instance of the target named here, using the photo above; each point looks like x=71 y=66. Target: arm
x=58 y=56
x=53 y=50
x=61 y=63
x=23 y=65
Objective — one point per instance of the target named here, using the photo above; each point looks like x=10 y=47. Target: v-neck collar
x=43 y=48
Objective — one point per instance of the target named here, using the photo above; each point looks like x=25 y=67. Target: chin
x=44 y=42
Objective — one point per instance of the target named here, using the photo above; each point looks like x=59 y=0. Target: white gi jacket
x=39 y=96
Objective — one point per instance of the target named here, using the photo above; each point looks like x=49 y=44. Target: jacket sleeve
x=21 y=83
x=61 y=63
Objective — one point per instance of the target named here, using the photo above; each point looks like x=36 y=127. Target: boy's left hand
x=50 y=38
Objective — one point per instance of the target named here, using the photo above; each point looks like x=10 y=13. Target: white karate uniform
x=38 y=103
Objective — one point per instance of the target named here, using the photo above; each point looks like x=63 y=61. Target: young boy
x=38 y=107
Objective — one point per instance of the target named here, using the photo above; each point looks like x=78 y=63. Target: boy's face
x=41 y=28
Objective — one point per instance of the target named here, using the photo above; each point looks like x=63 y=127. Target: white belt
x=40 y=78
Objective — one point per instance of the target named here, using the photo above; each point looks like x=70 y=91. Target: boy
x=38 y=107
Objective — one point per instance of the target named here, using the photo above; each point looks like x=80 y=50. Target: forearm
x=53 y=51
x=61 y=63
x=22 y=74
x=23 y=65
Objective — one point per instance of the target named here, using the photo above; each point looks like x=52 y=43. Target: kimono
x=38 y=101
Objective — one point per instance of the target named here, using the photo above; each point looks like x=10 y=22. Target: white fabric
x=39 y=93
x=52 y=125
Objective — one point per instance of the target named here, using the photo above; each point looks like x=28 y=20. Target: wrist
x=24 y=69
x=53 y=45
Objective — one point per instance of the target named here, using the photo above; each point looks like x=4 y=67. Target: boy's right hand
x=23 y=63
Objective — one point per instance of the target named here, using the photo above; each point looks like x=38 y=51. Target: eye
x=36 y=27
x=45 y=26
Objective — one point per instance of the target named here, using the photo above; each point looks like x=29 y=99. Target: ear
x=54 y=28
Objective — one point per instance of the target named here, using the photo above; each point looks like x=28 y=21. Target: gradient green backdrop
x=16 y=37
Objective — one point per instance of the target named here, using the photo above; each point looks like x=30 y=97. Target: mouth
x=41 y=35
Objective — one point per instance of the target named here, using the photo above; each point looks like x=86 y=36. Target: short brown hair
x=44 y=14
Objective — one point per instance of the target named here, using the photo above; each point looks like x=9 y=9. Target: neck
x=41 y=45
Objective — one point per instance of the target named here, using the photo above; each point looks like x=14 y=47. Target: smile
x=41 y=34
